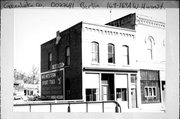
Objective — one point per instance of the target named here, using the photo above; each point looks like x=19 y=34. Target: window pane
x=110 y=49
x=124 y=94
x=49 y=60
x=146 y=91
x=133 y=77
x=95 y=52
x=67 y=51
x=111 y=54
x=125 y=55
x=150 y=91
x=154 y=91
x=67 y=56
x=91 y=94
x=110 y=58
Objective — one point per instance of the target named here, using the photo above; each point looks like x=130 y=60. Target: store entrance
x=107 y=87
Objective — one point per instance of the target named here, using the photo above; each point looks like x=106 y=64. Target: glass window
x=133 y=78
x=149 y=47
x=95 y=52
x=121 y=93
x=150 y=91
x=91 y=94
x=125 y=55
x=154 y=91
x=49 y=60
x=111 y=53
x=146 y=92
x=67 y=56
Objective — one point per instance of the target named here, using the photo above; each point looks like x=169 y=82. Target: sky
x=35 y=26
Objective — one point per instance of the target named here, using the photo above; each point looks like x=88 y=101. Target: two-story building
x=123 y=60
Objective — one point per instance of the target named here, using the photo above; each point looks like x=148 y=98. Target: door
x=133 y=98
x=104 y=92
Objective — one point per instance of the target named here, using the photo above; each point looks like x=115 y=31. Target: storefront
x=103 y=86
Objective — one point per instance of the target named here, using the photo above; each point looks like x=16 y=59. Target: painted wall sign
x=52 y=85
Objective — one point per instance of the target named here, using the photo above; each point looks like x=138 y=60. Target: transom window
x=111 y=53
x=95 y=52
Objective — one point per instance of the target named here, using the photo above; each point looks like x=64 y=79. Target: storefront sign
x=52 y=85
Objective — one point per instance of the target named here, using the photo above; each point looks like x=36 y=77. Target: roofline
x=108 y=26
x=63 y=32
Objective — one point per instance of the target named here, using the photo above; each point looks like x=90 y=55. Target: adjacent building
x=123 y=60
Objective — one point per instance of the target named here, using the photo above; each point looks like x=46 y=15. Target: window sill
x=94 y=63
x=126 y=65
x=111 y=64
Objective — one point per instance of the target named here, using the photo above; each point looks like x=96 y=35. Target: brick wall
x=73 y=75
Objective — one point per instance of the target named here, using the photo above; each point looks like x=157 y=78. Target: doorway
x=107 y=87
x=104 y=92
x=133 y=98
x=133 y=91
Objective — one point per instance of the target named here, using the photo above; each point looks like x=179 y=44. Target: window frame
x=94 y=52
x=152 y=91
x=149 y=43
x=92 y=94
x=67 y=56
x=126 y=47
x=112 y=53
x=50 y=60
x=123 y=96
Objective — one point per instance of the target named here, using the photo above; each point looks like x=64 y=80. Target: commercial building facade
x=123 y=60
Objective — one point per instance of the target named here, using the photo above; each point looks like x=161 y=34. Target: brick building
x=123 y=60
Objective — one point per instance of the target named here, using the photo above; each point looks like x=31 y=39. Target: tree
x=35 y=75
x=31 y=78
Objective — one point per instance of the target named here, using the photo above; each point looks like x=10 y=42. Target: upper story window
x=49 y=60
x=111 y=53
x=150 y=41
x=67 y=56
x=125 y=54
x=95 y=52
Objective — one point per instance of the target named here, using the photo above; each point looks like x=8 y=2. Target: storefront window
x=150 y=86
x=91 y=94
x=150 y=91
x=121 y=93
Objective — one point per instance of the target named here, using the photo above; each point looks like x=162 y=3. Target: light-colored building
x=123 y=60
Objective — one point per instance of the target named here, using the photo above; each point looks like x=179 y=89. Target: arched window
x=125 y=54
x=111 y=53
x=49 y=60
x=67 y=56
x=149 y=40
x=149 y=47
x=95 y=52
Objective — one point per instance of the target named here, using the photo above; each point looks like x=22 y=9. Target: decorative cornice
x=109 y=32
x=149 y=22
